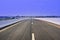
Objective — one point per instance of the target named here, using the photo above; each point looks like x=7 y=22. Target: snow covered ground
x=53 y=20
x=8 y=22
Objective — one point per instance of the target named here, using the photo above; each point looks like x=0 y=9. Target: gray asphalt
x=24 y=29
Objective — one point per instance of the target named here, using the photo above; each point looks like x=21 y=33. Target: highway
x=30 y=29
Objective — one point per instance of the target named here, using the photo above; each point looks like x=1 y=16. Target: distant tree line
x=16 y=17
x=8 y=17
x=39 y=16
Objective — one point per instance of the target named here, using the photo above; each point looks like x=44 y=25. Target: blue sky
x=30 y=7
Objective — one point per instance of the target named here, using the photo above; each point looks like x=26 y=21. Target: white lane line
x=32 y=23
x=33 y=37
x=9 y=27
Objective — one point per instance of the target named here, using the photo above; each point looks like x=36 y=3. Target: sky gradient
x=30 y=7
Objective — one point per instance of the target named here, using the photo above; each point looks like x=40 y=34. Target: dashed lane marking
x=33 y=37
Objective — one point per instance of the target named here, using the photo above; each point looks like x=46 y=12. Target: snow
x=8 y=22
x=52 y=20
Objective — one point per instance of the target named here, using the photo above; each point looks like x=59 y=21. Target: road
x=30 y=30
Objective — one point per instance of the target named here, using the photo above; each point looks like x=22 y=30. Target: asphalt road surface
x=30 y=29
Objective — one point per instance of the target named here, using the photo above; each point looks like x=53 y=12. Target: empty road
x=30 y=29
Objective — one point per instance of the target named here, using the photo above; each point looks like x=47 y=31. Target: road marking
x=32 y=23
x=9 y=27
x=33 y=37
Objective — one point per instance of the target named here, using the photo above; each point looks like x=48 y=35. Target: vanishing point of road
x=31 y=29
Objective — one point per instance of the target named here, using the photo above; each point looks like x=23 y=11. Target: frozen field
x=8 y=22
x=53 y=20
